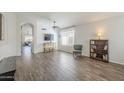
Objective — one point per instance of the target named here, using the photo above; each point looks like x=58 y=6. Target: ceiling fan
x=55 y=27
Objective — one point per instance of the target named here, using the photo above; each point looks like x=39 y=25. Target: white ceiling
x=66 y=19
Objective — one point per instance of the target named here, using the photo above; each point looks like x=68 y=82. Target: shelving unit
x=99 y=50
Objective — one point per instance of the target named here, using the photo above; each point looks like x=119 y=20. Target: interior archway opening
x=27 y=39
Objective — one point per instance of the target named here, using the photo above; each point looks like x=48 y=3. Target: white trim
x=111 y=61
x=116 y=62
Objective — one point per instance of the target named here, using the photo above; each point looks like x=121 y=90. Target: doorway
x=27 y=39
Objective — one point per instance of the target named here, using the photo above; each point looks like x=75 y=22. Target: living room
x=53 y=38
x=65 y=46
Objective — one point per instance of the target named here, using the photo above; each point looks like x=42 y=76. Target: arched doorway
x=27 y=35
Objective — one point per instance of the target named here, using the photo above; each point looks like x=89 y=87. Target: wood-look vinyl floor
x=61 y=66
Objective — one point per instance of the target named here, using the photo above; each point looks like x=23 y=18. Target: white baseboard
x=116 y=62
x=111 y=61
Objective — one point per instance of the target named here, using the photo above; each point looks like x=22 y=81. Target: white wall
x=8 y=45
x=113 y=30
x=24 y=20
x=44 y=23
x=38 y=33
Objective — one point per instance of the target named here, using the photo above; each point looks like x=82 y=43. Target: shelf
x=99 y=50
x=99 y=53
x=99 y=59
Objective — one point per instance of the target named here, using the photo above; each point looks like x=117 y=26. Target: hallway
x=26 y=51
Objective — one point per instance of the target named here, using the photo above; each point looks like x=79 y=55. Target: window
x=67 y=38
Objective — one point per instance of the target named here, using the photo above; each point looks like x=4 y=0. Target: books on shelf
x=99 y=50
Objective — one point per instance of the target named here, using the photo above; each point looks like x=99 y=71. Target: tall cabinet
x=99 y=50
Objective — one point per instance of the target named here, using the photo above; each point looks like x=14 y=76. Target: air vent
x=44 y=29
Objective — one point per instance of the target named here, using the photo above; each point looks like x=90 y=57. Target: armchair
x=77 y=51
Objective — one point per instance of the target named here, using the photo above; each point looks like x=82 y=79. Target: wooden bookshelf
x=99 y=50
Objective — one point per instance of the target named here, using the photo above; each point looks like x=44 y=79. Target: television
x=48 y=37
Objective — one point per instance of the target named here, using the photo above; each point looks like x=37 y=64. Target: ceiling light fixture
x=54 y=26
